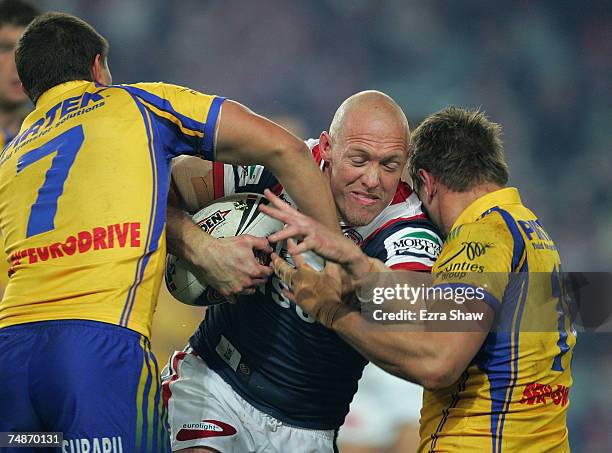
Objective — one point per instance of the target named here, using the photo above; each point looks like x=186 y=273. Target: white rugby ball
x=230 y=216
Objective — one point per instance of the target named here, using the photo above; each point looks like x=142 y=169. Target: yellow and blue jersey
x=83 y=190
x=5 y=138
x=514 y=395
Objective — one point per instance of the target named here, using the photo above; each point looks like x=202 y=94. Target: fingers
x=296 y=249
x=297 y=224
x=260 y=281
x=277 y=202
x=258 y=243
x=297 y=258
x=275 y=213
x=286 y=233
x=261 y=272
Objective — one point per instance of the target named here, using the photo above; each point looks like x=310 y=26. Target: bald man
x=260 y=375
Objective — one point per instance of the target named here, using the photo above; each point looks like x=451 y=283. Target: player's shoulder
x=161 y=90
x=491 y=225
x=402 y=230
x=487 y=231
x=153 y=87
x=485 y=245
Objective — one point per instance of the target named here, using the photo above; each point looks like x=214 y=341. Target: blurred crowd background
x=543 y=69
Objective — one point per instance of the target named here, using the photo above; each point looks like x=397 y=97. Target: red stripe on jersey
x=402 y=193
x=277 y=189
x=218 y=180
x=316 y=153
x=418 y=267
x=166 y=392
x=391 y=222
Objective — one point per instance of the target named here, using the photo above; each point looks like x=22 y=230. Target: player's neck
x=454 y=203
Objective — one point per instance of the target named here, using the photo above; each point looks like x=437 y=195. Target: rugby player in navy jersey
x=480 y=377
x=260 y=375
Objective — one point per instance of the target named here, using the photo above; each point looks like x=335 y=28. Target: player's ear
x=325 y=146
x=427 y=185
x=100 y=72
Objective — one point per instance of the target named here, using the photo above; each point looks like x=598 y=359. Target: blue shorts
x=96 y=383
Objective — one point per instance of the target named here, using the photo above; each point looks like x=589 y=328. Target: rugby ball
x=230 y=216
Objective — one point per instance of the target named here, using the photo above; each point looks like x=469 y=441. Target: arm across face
x=244 y=138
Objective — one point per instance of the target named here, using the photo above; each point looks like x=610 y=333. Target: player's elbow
x=437 y=374
x=288 y=154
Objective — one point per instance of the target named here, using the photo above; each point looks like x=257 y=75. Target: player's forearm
x=244 y=137
x=419 y=357
x=304 y=182
x=184 y=238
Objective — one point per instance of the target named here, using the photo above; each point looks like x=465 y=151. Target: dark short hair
x=459 y=147
x=57 y=48
x=17 y=12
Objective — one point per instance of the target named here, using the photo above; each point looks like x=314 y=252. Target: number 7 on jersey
x=67 y=145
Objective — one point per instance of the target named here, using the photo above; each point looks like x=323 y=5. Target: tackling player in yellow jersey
x=500 y=390
x=14 y=103
x=83 y=190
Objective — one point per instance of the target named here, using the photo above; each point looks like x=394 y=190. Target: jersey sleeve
x=410 y=245
x=479 y=256
x=183 y=119
x=231 y=179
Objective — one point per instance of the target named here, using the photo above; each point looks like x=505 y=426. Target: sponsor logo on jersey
x=414 y=242
x=95 y=444
x=459 y=267
x=211 y=222
x=99 y=238
x=531 y=227
x=54 y=117
x=542 y=240
x=469 y=251
x=204 y=429
x=536 y=393
x=474 y=249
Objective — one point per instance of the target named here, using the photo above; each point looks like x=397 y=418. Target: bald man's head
x=372 y=107
x=365 y=150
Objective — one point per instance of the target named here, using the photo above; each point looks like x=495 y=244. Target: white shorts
x=382 y=404
x=204 y=411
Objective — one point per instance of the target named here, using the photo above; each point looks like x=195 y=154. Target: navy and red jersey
x=269 y=350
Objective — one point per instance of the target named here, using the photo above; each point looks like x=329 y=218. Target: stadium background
x=543 y=69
